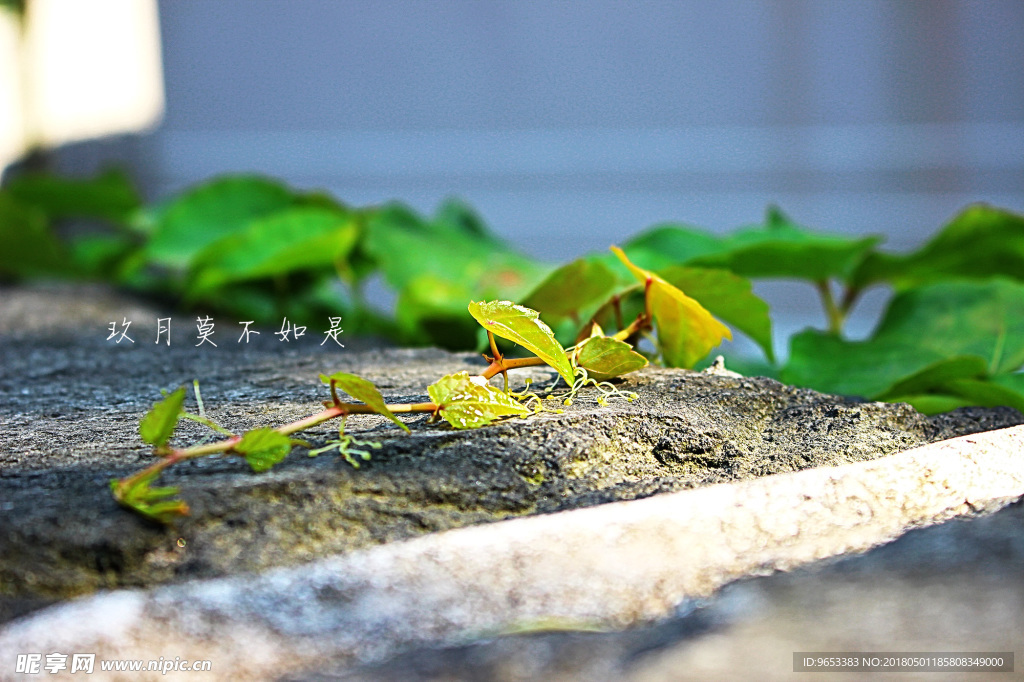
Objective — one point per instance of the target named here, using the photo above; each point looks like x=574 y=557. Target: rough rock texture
x=71 y=404
x=612 y=565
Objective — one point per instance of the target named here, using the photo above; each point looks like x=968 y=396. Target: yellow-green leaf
x=157 y=504
x=604 y=357
x=363 y=390
x=686 y=330
x=521 y=325
x=263 y=447
x=729 y=298
x=467 y=402
x=158 y=424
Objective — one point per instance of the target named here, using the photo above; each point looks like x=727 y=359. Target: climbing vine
x=677 y=326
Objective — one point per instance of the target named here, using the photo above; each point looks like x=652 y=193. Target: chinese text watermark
x=206 y=328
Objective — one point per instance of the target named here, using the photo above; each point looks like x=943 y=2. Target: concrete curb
x=611 y=566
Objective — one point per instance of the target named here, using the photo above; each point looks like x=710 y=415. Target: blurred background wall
x=571 y=125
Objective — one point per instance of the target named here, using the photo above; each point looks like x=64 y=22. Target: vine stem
x=175 y=456
x=834 y=312
x=502 y=365
x=335 y=408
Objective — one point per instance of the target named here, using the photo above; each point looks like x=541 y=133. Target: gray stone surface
x=72 y=400
x=607 y=566
x=69 y=406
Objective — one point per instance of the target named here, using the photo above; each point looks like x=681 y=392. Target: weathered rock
x=70 y=404
x=612 y=565
x=68 y=424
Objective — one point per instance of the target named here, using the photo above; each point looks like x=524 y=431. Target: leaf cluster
x=463 y=400
x=950 y=336
x=251 y=247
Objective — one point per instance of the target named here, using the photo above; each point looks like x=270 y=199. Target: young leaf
x=364 y=391
x=605 y=358
x=728 y=297
x=686 y=331
x=158 y=424
x=153 y=503
x=523 y=326
x=467 y=402
x=263 y=447
x=572 y=287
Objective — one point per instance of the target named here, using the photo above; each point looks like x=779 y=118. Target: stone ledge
x=609 y=566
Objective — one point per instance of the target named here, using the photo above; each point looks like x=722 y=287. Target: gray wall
x=573 y=124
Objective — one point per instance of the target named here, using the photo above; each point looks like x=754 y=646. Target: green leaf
x=782 y=249
x=523 y=326
x=958 y=381
x=728 y=297
x=604 y=358
x=153 y=503
x=867 y=369
x=571 y=288
x=938 y=374
x=27 y=246
x=263 y=447
x=101 y=255
x=665 y=245
x=962 y=393
x=1014 y=381
x=777 y=249
x=295 y=239
x=407 y=247
x=468 y=402
x=109 y=196
x=686 y=330
x=364 y=391
x=921 y=327
x=432 y=310
x=979 y=243
x=933 y=404
x=985 y=393
x=211 y=211
x=158 y=424
x=457 y=215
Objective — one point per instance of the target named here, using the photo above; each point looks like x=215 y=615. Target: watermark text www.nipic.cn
x=206 y=331
x=56 y=662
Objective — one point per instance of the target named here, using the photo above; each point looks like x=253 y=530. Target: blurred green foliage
x=254 y=248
